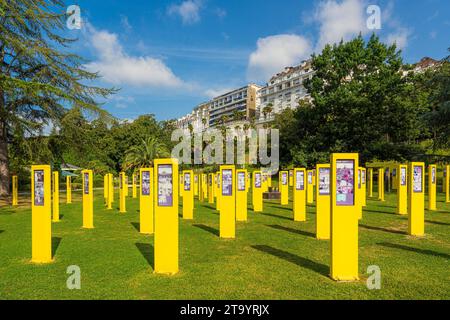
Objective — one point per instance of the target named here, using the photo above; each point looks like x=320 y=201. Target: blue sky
x=169 y=56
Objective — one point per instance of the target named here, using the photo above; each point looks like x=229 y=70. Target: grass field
x=272 y=257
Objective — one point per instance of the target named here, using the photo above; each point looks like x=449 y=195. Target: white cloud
x=189 y=11
x=119 y=68
x=340 y=20
x=125 y=23
x=399 y=37
x=221 y=13
x=276 y=52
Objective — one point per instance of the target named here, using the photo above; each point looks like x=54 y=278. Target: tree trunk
x=4 y=161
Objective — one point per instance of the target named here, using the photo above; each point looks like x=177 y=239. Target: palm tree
x=142 y=155
x=267 y=110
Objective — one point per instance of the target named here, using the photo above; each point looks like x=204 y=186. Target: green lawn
x=272 y=257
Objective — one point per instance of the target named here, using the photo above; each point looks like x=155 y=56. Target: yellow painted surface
x=447 y=184
x=359 y=194
x=105 y=189
x=110 y=190
x=228 y=202
x=364 y=186
x=68 y=190
x=381 y=184
x=310 y=186
x=210 y=188
x=88 y=199
x=291 y=178
x=217 y=192
x=122 y=193
x=41 y=224
x=257 y=194
x=196 y=183
x=299 y=194
x=125 y=179
x=134 y=186
x=188 y=195
x=402 y=189
x=15 y=193
x=283 y=182
x=323 y=174
x=241 y=195
x=55 y=212
x=370 y=181
x=344 y=218
x=166 y=216
x=416 y=199
x=146 y=205
x=201 y=186
x=432 y=182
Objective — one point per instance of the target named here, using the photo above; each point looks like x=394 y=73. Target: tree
x=38 y=78
x=267 y=110
x=142 y=155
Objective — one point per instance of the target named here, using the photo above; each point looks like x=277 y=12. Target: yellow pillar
x=166 y=216
x=111 y=191
x=55 y=176
x=188 y=195
x=364 y=186
x=217 y=192
x=210 y=188
x=309 y=187
x=105 y=189
x=381 y=184
x=344 y=217
x=314 y=177
x=146 y=214
x=41 y=211
x=358 y=194
x=201 y=186
x=291 y=178
x=299 y=195
x=196 y=185
x=370 y=182
x=241 y=195
x=402 y=189
x=15 y=193
x=228 y=202
x=88 y=199
x=432 y=172
x=416 y=199
x=181 y=185
x=284 y=187
x=134 y=186
x=323 y=201
x=122 y=193
x=257 y=194
x=447 y=184
x=68 y=189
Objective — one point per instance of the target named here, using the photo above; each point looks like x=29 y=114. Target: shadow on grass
x=1 y=231
x=275 y=216
x=280 y=207
x=207 y=229
x=295 y=231
x=6 y=212
x=417 y=250
x=137 y=226
x=300 y=261
x=382 y=229
x=55 y=245
x=378 y=211
x=438 y=223
x=147 y=252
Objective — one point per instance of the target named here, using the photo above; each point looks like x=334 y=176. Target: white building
x=284 y=90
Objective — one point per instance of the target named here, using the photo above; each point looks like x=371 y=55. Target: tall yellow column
x=432 y=172
x=188 y=195
x=358 y=194
x=381 y=184
x=364 y=186
x=88 y=199
x=134 y=186
x=323 y=201
x=228 y=202
x=166 y=216
x=146 y=209
x=217 y=192
x=257 y=194
x=269 y=180
x=210 y=188
x=284 y=187
x=344 y=217
x=181 y=185
x=111 y=191
x=105 y=189
x=55 y=176
x=122 y=193
x=15 y=193
x=447 y=184
x=310 y=187
x=241 y=195
x=402 y=189
x=68 y=189
x=196 y=193
x=41 y=211
x=370 y=182
x=416 y=199
x=201 y=186
x=299 y=195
